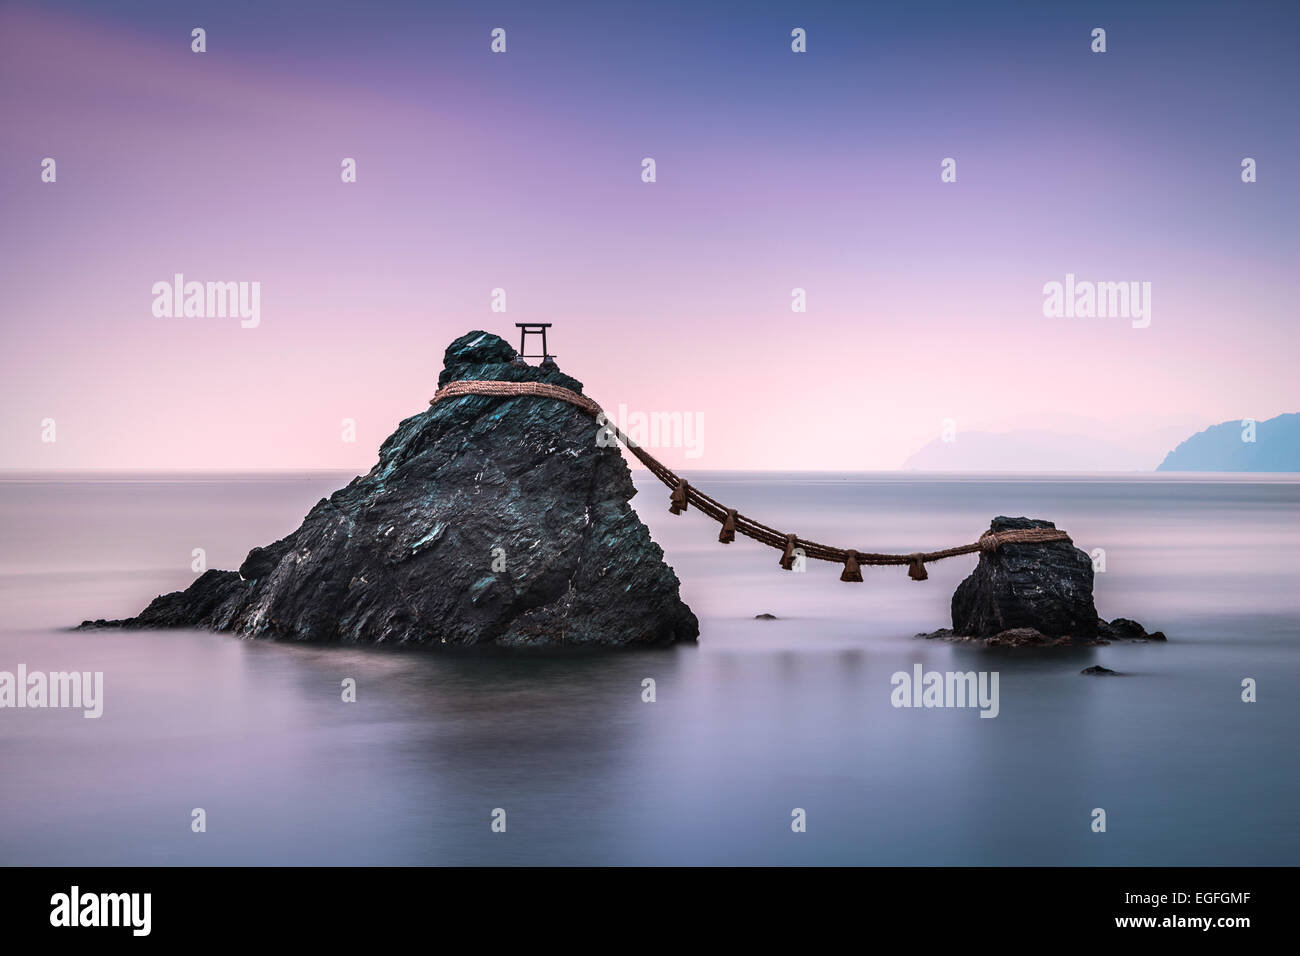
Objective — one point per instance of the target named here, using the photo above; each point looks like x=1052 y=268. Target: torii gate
x=533 y=328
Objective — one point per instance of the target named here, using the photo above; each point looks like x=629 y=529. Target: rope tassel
x=851 y=571
x=728 y=532
x=678 y=498
x=787 y=557
x=917 y=571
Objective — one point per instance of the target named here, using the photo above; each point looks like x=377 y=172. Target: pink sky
x=924 y=298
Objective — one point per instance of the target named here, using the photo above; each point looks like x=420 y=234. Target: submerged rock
x=486 y=520
x=1122 y=629
x=1020 y=637
x=765 y=617
x=1098 y=671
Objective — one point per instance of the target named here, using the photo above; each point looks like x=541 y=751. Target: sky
x=522 y=170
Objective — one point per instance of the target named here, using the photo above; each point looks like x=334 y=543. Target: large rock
x=1044 y=587
x=406 y=553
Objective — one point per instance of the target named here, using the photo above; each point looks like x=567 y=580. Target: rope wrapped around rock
x=733 y=522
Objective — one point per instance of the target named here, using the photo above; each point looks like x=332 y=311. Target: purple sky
x=775 y=170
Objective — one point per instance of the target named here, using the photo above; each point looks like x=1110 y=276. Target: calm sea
x=760 y=718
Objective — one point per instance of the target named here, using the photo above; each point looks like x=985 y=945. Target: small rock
x=766 y=617
x=1123 y=629
x=1043 y=587
x=943 y=634
x=1098 y=671
x=1033 y=595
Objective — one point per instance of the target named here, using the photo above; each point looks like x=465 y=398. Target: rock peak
x=481 y=355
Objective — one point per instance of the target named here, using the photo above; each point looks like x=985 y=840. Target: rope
x=733 y=522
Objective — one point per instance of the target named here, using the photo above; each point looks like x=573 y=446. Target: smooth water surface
x=758 y=719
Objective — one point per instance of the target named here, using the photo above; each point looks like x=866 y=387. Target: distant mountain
x=1220 y=448
x=1027 y=450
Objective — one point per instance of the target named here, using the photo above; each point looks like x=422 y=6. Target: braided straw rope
x=685 y=494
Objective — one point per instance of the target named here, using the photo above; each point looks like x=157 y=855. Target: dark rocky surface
x=1098 y=671
x=406 y=553
x=766 y=617
x=1047 y=587
x=1033 y=595
x=1122 y=629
